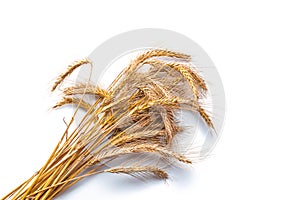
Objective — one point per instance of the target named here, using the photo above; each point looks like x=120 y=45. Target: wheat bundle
x=135 y=115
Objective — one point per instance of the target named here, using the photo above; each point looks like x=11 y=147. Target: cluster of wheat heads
x=135 y=115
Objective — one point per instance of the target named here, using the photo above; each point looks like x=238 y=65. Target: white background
x=254 y=44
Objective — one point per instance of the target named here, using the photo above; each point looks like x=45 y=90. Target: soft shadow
x=108 y=185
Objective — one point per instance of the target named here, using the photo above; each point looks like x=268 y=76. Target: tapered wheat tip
x=69 y=71
x=191 y=76
x=143 y=171
x=69 y=101
x=86 y=89
x=206 y=117
x=162 y=151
